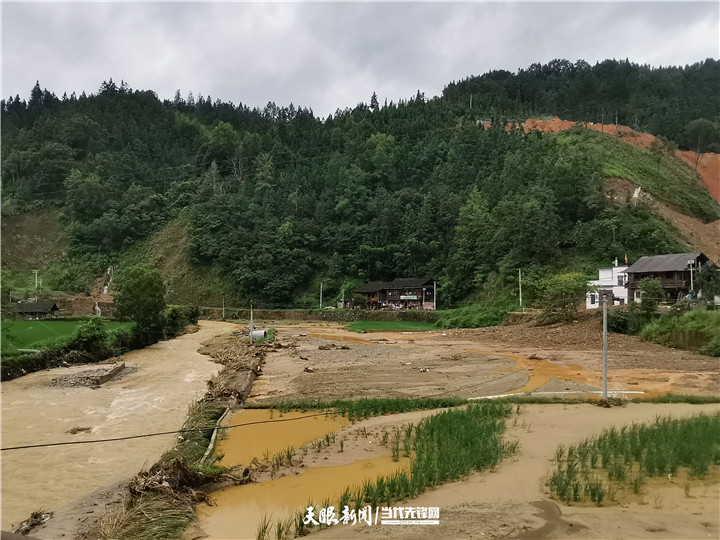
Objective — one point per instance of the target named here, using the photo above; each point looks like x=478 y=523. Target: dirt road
x=154 y=395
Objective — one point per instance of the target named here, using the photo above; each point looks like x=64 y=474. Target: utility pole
x=223 y=308
x=691 y=263
x=520 y=287
x=321 y=284
x=343 y=298
x=252 y=325
x=605 y=345
x=435 y=295
x=36 y=280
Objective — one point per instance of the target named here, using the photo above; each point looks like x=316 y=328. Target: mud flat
x=154 y=397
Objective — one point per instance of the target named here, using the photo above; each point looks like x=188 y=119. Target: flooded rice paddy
x=262 y=432
x=236 y=512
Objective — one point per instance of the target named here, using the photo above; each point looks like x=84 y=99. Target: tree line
x=279 y=199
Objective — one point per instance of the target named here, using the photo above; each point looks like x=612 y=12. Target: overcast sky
x=330 y=55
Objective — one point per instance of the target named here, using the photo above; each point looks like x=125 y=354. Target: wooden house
x=36 y=310
x=675 y=272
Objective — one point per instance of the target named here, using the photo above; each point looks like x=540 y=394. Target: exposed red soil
x=708 y=168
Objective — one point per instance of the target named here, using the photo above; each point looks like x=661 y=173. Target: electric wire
x=160 y=433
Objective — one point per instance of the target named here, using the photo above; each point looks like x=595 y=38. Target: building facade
x=675 y=272
x=610 y=280
x=401 y=293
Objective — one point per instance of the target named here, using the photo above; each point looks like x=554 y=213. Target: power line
x=145 y=435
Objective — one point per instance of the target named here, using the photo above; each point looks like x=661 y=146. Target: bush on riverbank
x=91 y=342
x=697 y=329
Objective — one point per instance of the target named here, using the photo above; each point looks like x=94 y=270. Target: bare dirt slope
x=703 y=237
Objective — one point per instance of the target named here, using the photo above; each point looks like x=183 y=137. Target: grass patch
x=473 y=316
x=679 y=398
x=390 y=326
x=191 y=446
x=148 y=517
x=18 y=334
x=670 y=180
x=698 y=327
x=364 y=408
x=621 y=459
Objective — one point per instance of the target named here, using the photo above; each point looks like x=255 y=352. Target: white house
x=613 y=280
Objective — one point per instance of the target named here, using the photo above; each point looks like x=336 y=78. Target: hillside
x=261 y=206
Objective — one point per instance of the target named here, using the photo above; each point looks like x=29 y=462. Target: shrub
x=473 y=316
x=560 y=295
x=91 y=337
x=628 y=319
x=179 y=317
x=120 y=338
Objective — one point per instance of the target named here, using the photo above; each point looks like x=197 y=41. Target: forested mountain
x=276 y=199
x=661 y=101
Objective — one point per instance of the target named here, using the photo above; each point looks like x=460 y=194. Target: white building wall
x=610 y=279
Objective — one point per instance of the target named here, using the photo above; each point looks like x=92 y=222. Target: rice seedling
x=263 y=528
x=367 y=407
x=396 y=445
x=407 y=440
x=625 y=457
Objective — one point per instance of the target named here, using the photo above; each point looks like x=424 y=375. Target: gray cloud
x=330 y=55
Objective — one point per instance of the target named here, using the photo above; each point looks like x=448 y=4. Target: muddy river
x=154 y=395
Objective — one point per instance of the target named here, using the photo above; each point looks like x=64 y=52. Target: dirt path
x=512 y=501
x=162 y=380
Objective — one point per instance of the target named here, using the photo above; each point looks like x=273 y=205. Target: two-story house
x=612 y=280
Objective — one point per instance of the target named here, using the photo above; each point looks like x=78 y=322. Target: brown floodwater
x=277 y=433
x=155 y=397
x=238 y=511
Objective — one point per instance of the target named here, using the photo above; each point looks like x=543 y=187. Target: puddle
x=539 y=371
x=238 y=510
x=277 y=433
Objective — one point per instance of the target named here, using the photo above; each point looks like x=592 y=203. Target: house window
x=620 y=281
x=592 y=299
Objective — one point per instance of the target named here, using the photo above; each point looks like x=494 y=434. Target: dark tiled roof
x=36 y=307
x=373 y=286
x=402 y=283
x=676 y=262
x=399 y=283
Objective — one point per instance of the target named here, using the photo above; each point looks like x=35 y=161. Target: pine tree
x=35 y=96
x=374 y=102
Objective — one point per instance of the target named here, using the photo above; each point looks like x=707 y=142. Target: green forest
x=273 y=200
